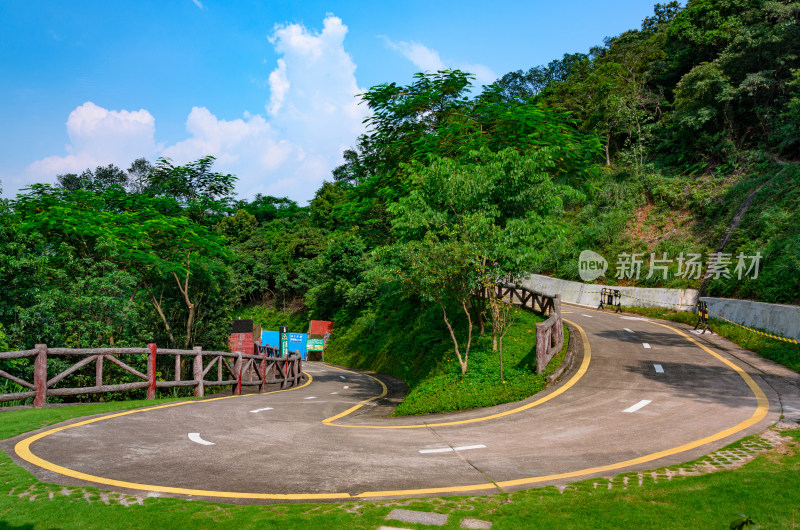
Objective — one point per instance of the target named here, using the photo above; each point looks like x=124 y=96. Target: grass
x=767 y=489
x=446 y=389
x=412 y=344
x=783 y=353
x=15 y=422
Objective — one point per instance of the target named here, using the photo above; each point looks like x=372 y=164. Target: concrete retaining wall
x=589 y=295
x=779 y=319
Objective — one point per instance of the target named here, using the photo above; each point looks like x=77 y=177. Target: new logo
x=591 y=265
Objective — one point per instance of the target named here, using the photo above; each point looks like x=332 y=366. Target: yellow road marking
x=23 y=448
x=587 y=356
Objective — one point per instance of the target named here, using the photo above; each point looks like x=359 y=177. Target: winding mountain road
x=641 y=394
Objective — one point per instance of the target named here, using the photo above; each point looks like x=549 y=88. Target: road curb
x=574 y=347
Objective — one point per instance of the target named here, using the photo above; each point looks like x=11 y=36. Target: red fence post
x=151 y=371
x=200 y=389
x=40 y=376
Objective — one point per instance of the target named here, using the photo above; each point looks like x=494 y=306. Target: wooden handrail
x=271 y=369
x=550 y=333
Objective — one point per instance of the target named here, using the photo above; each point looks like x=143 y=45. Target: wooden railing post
x=262 y=371
x=177 y=368
x=98 y=371
x=299 y=369
x=237 y=368
x=40 y=376
x=151 y=371
x=199 y=390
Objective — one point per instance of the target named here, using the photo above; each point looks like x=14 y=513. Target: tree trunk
x=184 y=289
x=157 y=305
x=608 y=141
x=461 y=361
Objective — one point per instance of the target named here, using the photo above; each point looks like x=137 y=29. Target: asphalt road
x=641 y=394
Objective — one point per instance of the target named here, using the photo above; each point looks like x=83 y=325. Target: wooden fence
x=550 y=333
x=232 y=369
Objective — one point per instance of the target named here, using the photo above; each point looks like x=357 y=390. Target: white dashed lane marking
x=588 y=316
x=342 y=377
x=334 y=392
x=628 y=330
x=346 y=387
x=450 y=449
x=195 y=437
x=647 y=346
x=261 y=410
x=310 y=397
x=659 y=368
x=642 y=403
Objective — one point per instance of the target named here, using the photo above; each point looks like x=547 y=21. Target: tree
x=137 y=175
x=468 y=225
x=101 y=179
x=204 y=194
x=162 y=239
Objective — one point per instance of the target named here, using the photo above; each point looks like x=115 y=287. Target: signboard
x=297 y=342
x=284 y=332
x=271 y=339
x=315 y=344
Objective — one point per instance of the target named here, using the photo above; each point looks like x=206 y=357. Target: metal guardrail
x=266 y=367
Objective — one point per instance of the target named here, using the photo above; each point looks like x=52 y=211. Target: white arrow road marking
x=647 y=346
x=659 y=368
x=628 y=330
x=195 y=437
x=261 y=410
x=310 y=397
x=449 y=449
x=642 y=403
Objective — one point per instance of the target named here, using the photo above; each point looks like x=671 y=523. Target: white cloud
x=424 y=58
x=199 y=4
x=312 y=114
x=429 y=60
x=97 y=137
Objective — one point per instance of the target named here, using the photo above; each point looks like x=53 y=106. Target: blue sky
x=267 y=87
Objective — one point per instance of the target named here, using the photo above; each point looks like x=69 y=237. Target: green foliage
x=86 y=264
x=446 y=389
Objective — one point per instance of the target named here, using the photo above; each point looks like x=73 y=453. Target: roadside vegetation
x=767 y=490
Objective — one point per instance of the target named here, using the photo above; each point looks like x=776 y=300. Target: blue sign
x=297 y=341
x=271 y=339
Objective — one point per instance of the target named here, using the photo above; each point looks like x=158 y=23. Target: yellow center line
x=587 y=356
x=23 y=447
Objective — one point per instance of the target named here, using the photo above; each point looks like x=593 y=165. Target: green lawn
x=445 y=389
x=766 y=489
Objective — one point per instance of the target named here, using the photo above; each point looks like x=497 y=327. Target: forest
x=647 y=143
